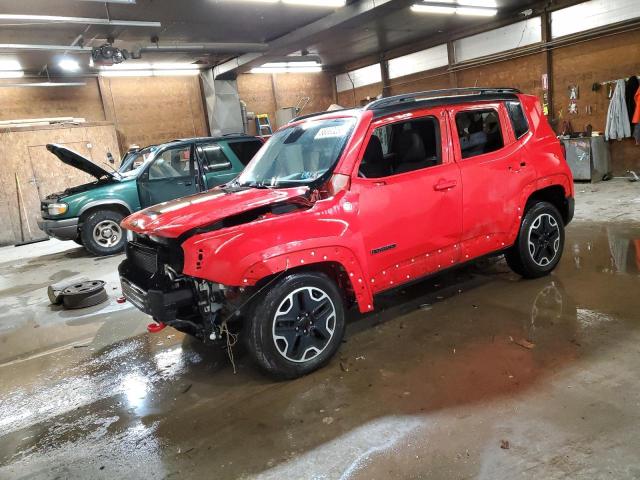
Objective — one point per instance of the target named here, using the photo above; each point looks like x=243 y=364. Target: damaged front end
x=152 y=280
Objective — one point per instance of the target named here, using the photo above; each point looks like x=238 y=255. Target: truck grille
x=143 y=257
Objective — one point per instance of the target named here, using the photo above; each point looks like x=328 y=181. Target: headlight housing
x=57 y=208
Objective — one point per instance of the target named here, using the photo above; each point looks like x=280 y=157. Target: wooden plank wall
x=40 y=102
x=151 y=110
x=39 y=173
x=264 y=93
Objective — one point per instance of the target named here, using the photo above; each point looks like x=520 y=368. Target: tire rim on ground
x=304 y=324
x=107 y=233
x=544 y=239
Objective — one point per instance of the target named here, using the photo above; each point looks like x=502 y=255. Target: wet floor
x=476 y=373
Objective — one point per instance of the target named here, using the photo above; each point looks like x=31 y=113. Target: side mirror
x=110 y=158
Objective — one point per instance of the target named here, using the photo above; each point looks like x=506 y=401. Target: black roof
x=436 y=98
x=226 y=136
x=430 y=98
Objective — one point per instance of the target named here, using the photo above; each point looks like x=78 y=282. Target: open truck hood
x=174 y=218
x=76 y=160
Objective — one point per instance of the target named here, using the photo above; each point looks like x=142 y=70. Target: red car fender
x=245 y=254
x=310 y=256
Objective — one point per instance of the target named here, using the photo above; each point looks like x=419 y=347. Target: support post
x=384 y=71
x=547 y=90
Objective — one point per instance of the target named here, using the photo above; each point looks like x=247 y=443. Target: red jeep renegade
x=340 y=206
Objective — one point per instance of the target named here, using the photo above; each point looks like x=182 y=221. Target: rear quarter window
x=518 y=118
x=245 y=150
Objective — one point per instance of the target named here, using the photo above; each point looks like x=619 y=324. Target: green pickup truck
x=90 y=214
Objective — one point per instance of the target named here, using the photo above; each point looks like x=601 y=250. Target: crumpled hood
x=172 y=219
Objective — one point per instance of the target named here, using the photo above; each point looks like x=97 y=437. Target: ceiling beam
x=301 y=38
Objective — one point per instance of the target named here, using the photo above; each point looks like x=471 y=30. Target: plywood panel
x=151 y=110
x=42 y=102
x=22 y=152
x=264 y=93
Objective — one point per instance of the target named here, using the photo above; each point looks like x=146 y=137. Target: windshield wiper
x=260 y=185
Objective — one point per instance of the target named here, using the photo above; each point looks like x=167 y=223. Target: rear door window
x=518 y=119
x=479 y=132
x=213 y=158
x=245 y=150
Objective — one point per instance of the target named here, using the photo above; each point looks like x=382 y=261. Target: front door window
x=172 y=174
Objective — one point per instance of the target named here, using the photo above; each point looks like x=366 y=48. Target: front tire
x=540 y=242
x=101 y=233
x=297 y=326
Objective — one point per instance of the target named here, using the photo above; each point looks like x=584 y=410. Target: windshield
x=132 y=161
x=298 y=155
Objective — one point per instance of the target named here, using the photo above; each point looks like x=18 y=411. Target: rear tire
x=101 y=233
x=540 y=242
x=297 y=326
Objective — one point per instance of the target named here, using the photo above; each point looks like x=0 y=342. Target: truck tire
x=540 y=242
x=101 y=233
x=297 y=326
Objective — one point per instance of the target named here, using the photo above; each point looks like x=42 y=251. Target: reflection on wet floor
x=423 y=388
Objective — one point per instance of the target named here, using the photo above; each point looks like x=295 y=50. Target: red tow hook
x=155 y=327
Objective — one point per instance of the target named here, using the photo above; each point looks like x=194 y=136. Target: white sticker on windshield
x=331 y=132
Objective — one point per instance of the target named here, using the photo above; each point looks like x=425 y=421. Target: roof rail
x=449 y=92
x=315 y=114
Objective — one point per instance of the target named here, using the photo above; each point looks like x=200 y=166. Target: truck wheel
x=297 y=326
x=540 y=242
x=101 y=233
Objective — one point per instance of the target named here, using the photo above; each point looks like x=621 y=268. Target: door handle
x=380 y=183
x=445 y=185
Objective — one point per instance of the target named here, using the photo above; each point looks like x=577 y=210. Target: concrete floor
x=431 y=386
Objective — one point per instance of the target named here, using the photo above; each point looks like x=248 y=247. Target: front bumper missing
x=162 y=306
x=63 y=229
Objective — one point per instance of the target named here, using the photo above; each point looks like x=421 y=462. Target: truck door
x=171 y=174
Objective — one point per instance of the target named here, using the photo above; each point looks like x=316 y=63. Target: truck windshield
x=132 y=161
x=298 y=155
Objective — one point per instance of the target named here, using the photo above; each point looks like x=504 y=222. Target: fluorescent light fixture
x=433 y=9
x=148 y=73
x=10 y=17
x=482 y=8
x=69 y=64
x=10 y=65
x=127 y=66
x=289 y=67
x=11 y=74
x=44 y=84
x=317 y=3
x=290 y=64
x=286 y=70
x=126 y=73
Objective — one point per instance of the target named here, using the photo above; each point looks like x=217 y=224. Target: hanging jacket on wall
x=618 y=125
x=629 y=95
x=636 y=110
